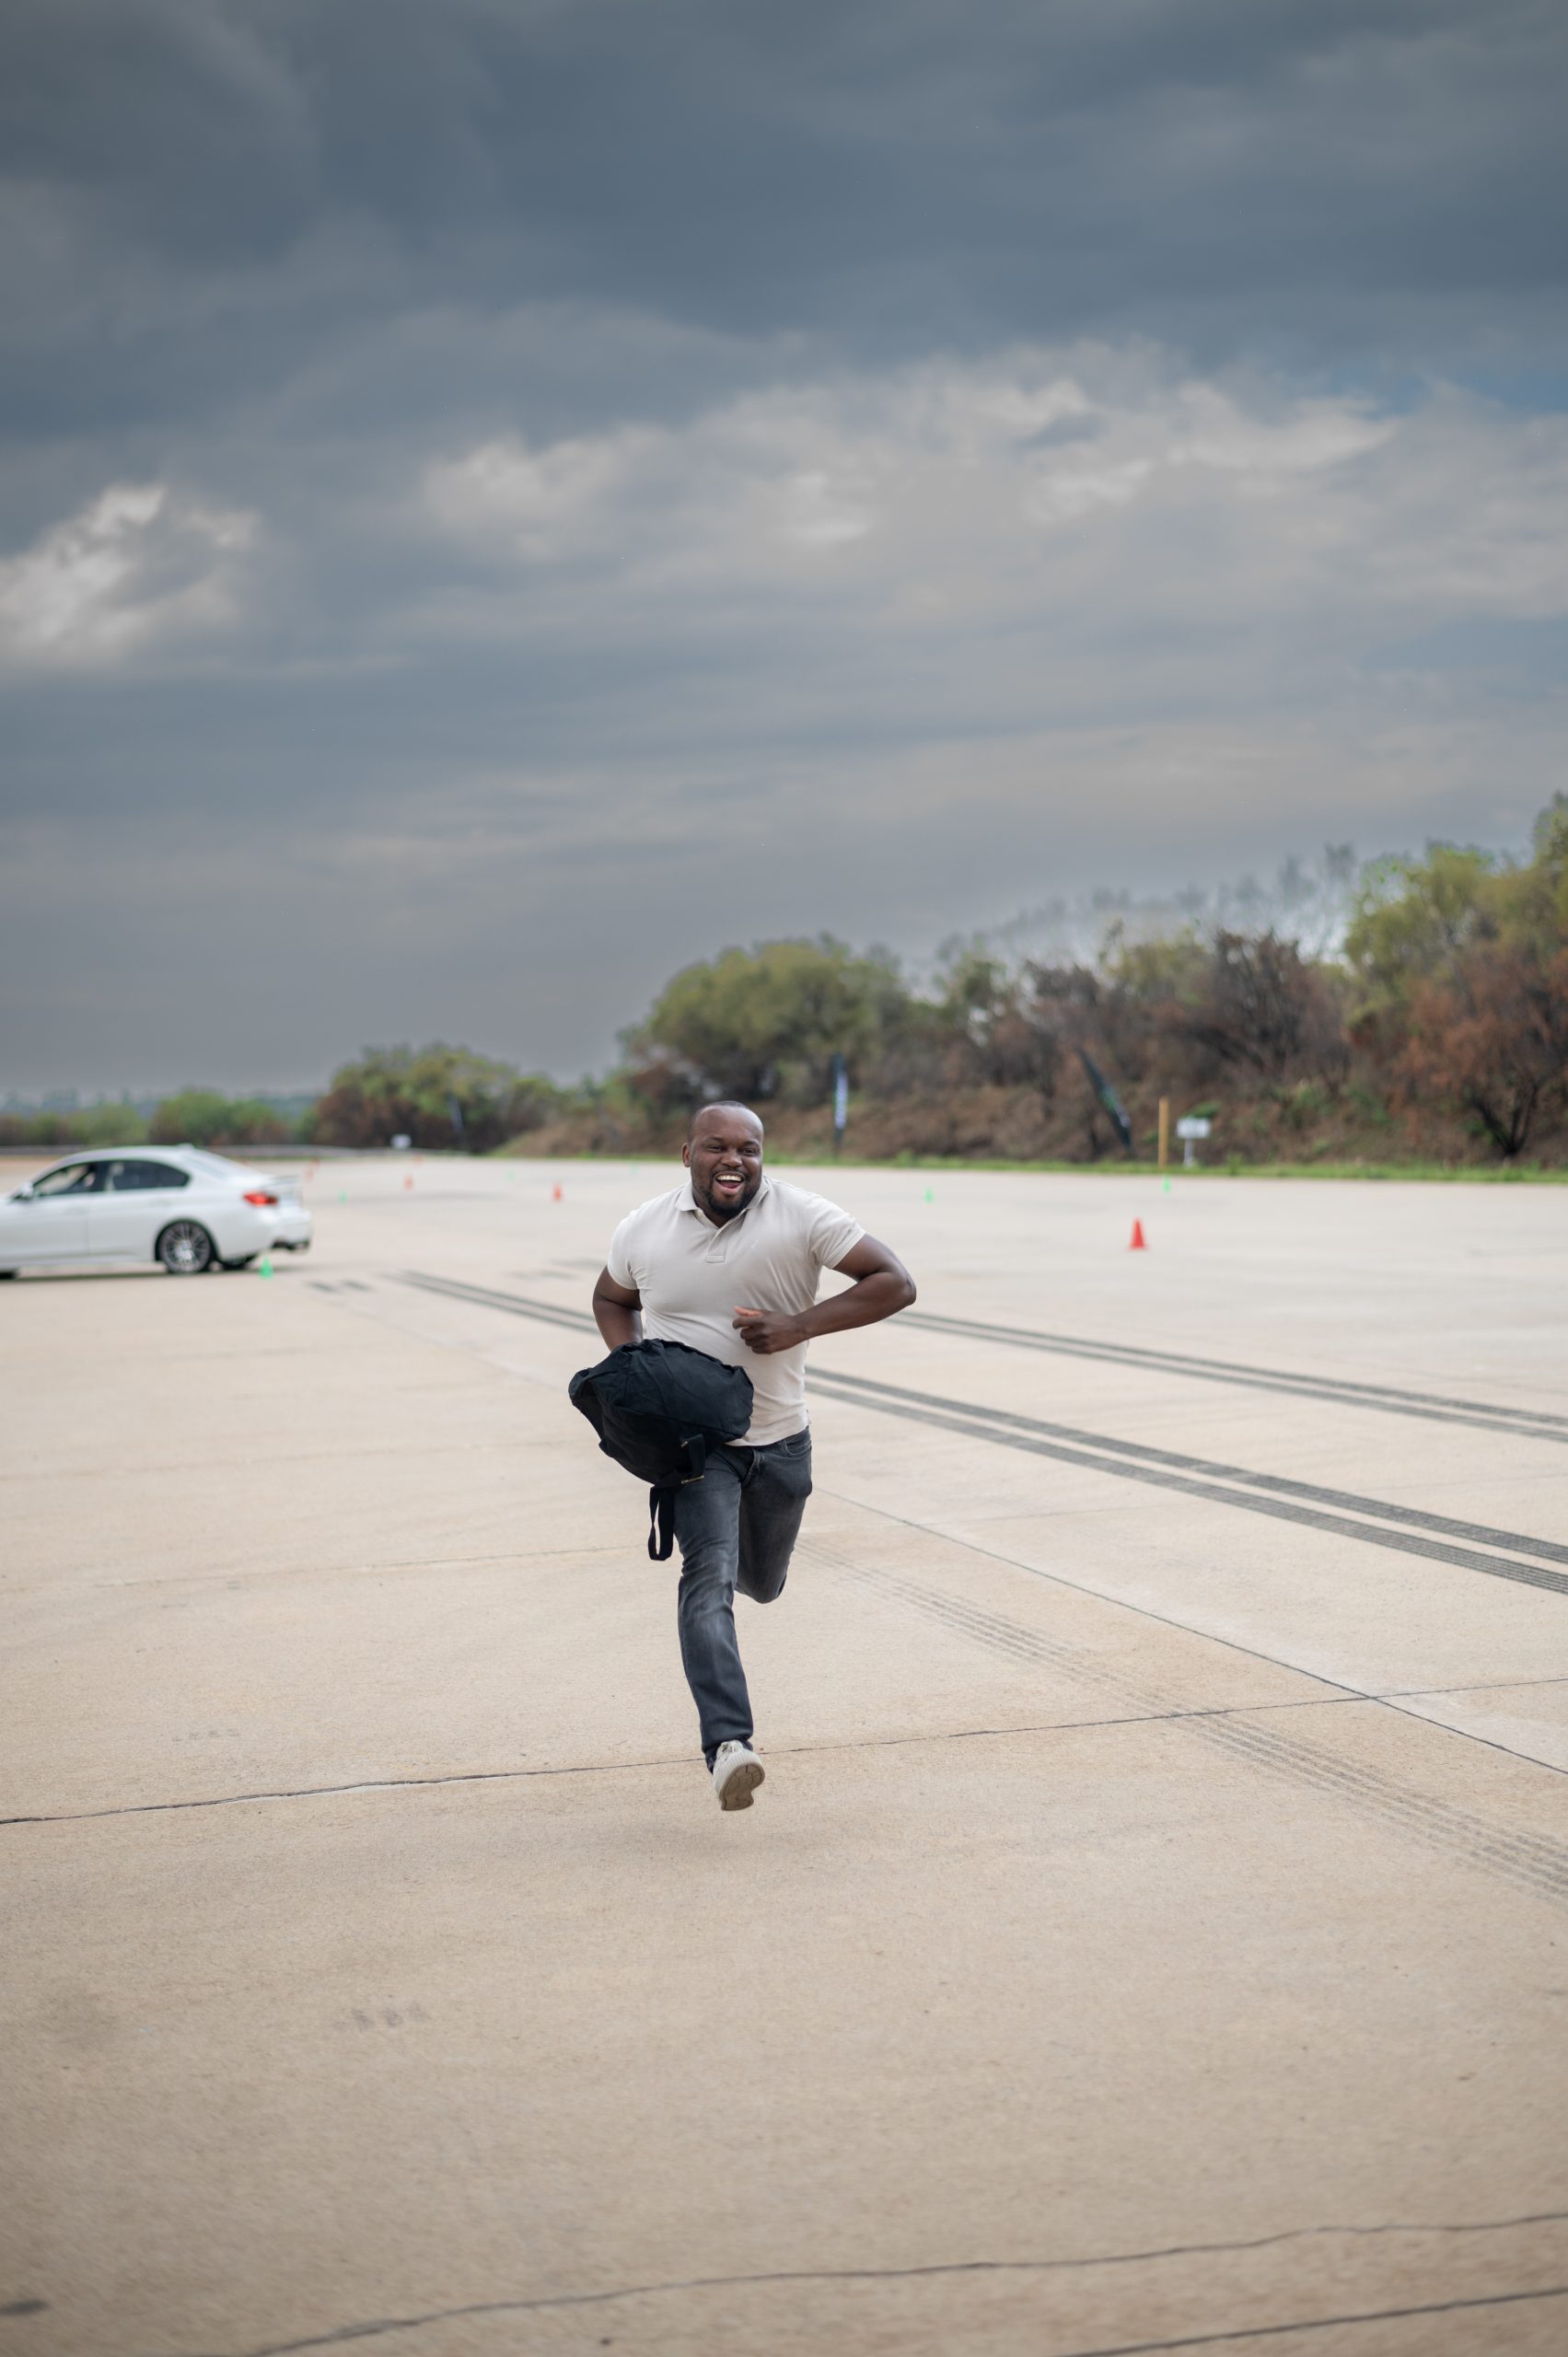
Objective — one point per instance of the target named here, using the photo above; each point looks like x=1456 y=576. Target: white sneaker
x=738 y=1772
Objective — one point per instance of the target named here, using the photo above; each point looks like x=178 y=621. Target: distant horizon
x=1067 y=927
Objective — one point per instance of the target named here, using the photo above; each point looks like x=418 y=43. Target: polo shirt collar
x=687 y=1201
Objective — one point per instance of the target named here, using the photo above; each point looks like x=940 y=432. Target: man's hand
x=882 y=1287
x=770 y=1329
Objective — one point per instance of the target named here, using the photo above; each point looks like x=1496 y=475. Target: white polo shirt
x=693 y=1273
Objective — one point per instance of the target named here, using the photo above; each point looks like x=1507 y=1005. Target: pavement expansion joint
x=1471 y=1686
x=336 y=2336
x=680 y=1760
x=1395 y=1700
x=1056 y=1578
x=1536 y=1862
x=1467 y=1735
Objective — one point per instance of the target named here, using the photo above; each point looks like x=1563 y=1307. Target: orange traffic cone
x=1138 y=1244
x=408 y=1183
x=555 y=1192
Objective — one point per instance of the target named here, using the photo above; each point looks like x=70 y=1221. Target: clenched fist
x=770 y=1329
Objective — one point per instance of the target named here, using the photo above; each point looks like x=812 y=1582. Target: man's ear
x=686 y=1154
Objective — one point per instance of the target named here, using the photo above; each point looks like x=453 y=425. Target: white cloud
x=141 y=566
x=816 y=512
x=539 y=504
x=1100 y=485
x=1062 y=616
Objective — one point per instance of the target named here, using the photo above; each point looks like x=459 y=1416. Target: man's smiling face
x=724 y=1153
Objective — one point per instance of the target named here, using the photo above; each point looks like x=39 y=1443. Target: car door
x=47 y=1220
x=126 y=1217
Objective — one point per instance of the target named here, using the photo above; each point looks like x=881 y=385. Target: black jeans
x=737 y=1527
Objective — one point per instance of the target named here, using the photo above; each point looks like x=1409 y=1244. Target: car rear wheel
x=185 y=1248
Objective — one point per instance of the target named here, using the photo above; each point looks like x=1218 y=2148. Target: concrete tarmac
x=1150 y=1935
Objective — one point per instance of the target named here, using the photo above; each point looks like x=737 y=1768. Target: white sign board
x=1192 y=1125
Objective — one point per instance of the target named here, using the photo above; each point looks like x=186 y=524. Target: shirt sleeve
x=833 y=1233
x=617 y=1260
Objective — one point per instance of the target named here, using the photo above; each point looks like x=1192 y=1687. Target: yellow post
x=1165 y=1130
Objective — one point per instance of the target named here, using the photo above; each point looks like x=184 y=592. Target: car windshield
x=71 y=1178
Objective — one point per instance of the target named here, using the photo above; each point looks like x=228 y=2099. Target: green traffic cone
x=266 y=1268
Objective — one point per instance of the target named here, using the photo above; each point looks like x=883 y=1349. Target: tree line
x=190 y=1116
x=1436 y=1028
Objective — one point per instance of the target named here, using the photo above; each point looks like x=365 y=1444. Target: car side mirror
x=23 y=1195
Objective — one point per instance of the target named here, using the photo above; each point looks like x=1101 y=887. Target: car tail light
x=259 y=1195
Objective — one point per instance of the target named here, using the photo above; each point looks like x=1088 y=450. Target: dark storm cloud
x=473 y=475
x=1331 y=176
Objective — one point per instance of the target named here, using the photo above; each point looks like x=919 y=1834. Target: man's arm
x=882 y=1287
x=616 y=1311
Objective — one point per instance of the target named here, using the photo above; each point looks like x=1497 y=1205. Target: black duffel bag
x=659 y=1408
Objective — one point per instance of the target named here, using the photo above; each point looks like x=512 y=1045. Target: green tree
x=1170 y=970
x=1462 y=960
x=1413 y=921
x=248 y=1121
x=1531 y=900
x=436 y=1096
x=760 y=1023
x=194 y=1117
x=107 y=1125
x=86 y=1125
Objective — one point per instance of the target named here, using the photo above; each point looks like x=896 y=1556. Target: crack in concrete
x=339 y=2336
x=1317 y=2324
x=682 y=1759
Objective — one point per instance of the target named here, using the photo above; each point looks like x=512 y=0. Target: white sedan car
x=179 y=1204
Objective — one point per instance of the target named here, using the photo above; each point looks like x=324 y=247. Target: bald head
x=724 y=1108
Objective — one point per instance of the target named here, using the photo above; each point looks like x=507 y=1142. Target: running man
x=729 y=1263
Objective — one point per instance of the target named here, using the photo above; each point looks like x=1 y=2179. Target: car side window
x=75 y=1178
x=125 y=1177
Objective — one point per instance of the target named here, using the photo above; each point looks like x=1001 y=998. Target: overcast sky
x=500 y=498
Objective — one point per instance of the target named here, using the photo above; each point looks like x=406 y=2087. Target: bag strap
x=661 y=1497
x=661 y=1524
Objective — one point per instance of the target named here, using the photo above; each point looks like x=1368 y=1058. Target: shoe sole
x=739 y=1785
